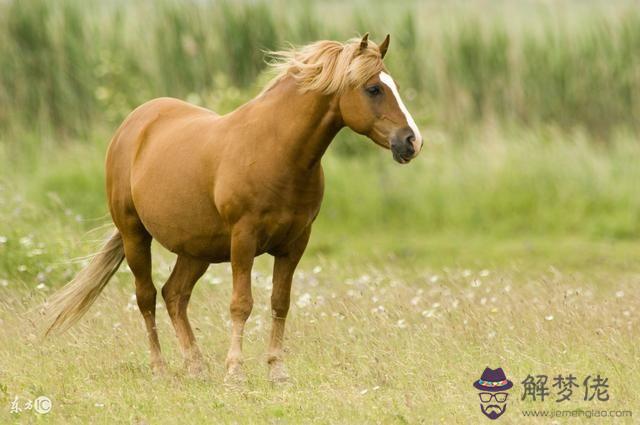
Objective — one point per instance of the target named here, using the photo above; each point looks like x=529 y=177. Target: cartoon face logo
x=493 y=386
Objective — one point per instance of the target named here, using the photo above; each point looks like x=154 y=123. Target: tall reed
x=69 y=66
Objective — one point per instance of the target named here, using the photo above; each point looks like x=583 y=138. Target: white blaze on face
x=388 y=81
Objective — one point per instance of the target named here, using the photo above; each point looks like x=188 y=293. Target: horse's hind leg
x=176 y=293
x=137 y=249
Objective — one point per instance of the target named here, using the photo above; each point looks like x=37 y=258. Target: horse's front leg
x=283 y=269
x=243 y=249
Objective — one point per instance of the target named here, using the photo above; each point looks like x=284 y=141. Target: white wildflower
x=365 y=278
x=378 y=309
x=304 y=300
x=26 y=241
x=35 y=252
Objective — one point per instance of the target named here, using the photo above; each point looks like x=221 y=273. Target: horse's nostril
x=410 y=139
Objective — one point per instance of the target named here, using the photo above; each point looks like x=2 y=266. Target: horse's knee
x=241 y=307
x=280 y=306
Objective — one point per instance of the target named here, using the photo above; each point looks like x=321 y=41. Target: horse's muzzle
x=404 y=145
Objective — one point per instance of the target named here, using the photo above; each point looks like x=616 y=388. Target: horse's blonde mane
x=329 y=67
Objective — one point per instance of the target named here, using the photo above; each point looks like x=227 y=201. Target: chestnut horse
x=214 y=188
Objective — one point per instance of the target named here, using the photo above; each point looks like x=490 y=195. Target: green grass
x=515 y=250
x=383 y=342
x=512 y=184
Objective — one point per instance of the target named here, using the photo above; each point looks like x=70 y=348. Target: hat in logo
x=493 y=380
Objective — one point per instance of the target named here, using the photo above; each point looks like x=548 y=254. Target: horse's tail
x=71 y=302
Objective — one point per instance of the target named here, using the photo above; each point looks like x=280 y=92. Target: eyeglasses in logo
x=493 y=386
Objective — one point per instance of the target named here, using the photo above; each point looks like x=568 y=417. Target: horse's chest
x=278 y=208
x=278 y=227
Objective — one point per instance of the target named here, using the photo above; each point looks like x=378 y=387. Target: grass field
x=379 y=341
x=517 y=251
x=512 y=241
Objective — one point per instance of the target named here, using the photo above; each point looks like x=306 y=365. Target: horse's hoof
x=278 y=373
x=159 y=369
x=235 y=378
x=195 y=369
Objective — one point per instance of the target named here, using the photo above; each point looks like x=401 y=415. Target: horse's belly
x=183 y=222
x=209 y=246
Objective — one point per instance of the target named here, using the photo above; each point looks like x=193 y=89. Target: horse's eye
x=374 y=90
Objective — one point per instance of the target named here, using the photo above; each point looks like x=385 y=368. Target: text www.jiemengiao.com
x=578 y=413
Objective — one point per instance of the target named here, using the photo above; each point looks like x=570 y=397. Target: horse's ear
x=384 y=45
x=365 y=41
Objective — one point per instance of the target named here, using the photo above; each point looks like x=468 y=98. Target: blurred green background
x=530 y=110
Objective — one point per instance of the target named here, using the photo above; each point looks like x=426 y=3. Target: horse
x=227 y=188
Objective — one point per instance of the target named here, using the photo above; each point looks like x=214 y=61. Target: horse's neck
x=302 y=124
